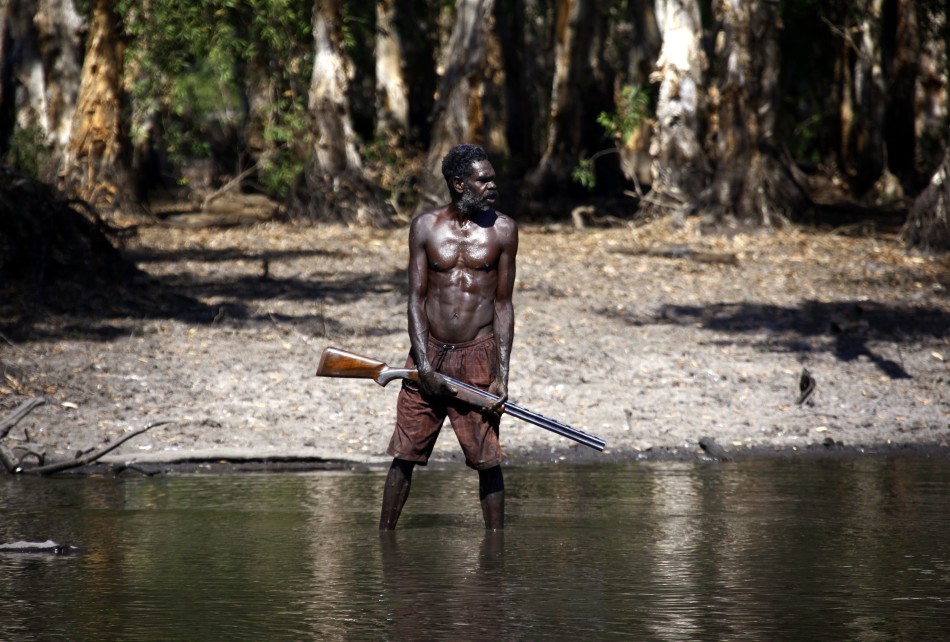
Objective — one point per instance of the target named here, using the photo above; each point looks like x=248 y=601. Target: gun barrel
x=560 y=428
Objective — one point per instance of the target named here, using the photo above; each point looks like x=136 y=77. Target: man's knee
x=491 y=480
x=402 y=467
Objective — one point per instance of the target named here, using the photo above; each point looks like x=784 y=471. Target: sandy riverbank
x=651 y=337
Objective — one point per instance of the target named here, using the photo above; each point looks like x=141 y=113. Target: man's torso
x=462 y=277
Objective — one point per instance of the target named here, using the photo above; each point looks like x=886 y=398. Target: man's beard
x=469 y=203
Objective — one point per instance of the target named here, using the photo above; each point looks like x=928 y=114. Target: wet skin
x=461 y=278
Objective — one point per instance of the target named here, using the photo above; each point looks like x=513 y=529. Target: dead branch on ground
x=14 y=465
x=231 y=184
x=25 y=408
x=683 y=252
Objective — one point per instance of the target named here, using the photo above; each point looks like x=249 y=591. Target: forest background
x=719 y=117
x=342 y=110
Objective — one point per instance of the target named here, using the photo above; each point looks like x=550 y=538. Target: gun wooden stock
x=340 y=363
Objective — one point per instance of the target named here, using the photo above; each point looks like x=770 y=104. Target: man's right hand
x=433 y=384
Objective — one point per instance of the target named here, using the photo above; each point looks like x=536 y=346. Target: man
x=461 y=324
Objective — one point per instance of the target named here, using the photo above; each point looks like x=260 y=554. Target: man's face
x=478 y=188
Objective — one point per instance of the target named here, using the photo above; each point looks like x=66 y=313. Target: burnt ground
x=651 y=336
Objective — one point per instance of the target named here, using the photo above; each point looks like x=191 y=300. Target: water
x=820 y=550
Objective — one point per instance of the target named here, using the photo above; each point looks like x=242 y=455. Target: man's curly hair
x=459 y=161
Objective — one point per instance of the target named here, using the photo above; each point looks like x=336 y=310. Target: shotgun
x=339 y=363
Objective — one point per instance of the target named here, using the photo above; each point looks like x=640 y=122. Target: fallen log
x=49 y=547
x=684 y=252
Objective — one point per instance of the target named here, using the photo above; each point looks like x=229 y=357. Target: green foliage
x=29 y=152
x=633 y=107
x=201 y=104
x=358 y=25
x=287 y=132
x=396 y=167
x=192 y=65
x=583 y=173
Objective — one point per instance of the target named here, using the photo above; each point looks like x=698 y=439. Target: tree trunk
x=392 y=97
x=865 y=147
x=93 y=168
x=928 y=223
x=333 y=186
x=458 y=114
x=525 y=37
x=510 y=26
x=750 y=186
x=680 y=169
x=417 y=23
x=638 y=41
x=930 y=115
x=40 y=62
x=582 y=89
x=899 y=119
x=644 y=42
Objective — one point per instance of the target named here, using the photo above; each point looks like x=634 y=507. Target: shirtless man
x=461 y=324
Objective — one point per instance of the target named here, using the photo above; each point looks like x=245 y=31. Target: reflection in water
x=751 y=550
x=674 y=558
x=421 y=602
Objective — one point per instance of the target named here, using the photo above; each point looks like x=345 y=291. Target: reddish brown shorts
x=419 y=418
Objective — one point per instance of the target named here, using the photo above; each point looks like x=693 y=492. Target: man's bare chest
x=466 y=252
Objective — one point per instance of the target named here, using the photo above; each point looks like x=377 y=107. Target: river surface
x=766 y=550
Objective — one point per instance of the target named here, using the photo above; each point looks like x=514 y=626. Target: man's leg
x=491 y=491
x=395 y=493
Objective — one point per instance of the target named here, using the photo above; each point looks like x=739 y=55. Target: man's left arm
x=503 y=324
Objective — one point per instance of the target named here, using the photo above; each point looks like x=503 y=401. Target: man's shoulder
x=506 y=225
x=429 y=217
x=504 y=219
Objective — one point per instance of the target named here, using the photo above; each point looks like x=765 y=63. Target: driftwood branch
x=6 y=458
x=17 y=416
x=228 y=186
x=26 y=452
x=578 y=214
x=83 y=460
x=683 y=252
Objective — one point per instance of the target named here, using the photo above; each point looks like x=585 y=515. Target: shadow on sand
x=847 y=329
x=103 y=309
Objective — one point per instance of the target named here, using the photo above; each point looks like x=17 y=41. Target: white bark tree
x=41 y=58
x=582 y=88
x=868 y=99
x=392 y=96
x=333 y=185
x=680 y=168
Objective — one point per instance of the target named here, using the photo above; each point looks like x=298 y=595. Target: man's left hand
x=499 y=389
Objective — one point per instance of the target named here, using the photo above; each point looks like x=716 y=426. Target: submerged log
x=49 y=547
